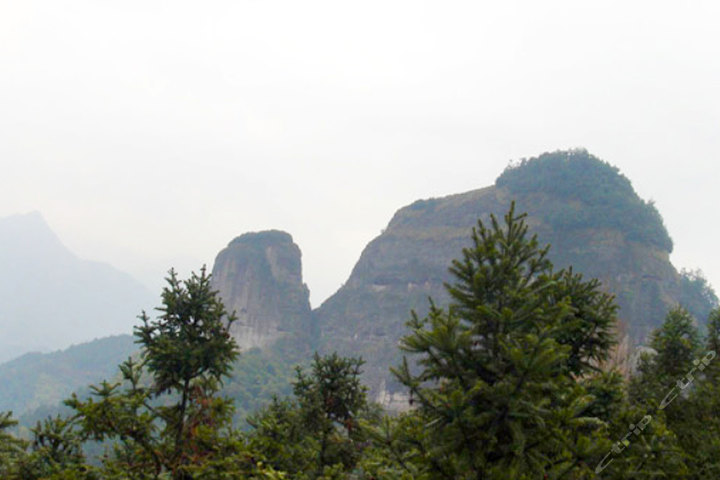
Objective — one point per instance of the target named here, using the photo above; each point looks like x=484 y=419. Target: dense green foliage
x=258 y=376
x=165 y=419
x=11 y=448
x=608 y=199
x=679 y=382
x=317 y=433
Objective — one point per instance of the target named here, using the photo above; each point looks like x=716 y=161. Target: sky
x=151 y=133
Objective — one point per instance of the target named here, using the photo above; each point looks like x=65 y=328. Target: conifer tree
x=676 y=344
x=712 y=344
x=318 y=434
x=11 y=448
x=55 y=453
x=166 y=417
x=496 y=390
x=696 y=416
x=331 y=399
x=666 y=385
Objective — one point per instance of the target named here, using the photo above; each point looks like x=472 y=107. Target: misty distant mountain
x=51 y=299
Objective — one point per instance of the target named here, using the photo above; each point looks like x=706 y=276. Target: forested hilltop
x=588 y=193
x=579 y=204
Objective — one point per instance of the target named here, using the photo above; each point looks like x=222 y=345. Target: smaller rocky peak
x=259 y=277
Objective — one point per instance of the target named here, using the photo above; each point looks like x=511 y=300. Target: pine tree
x=56 y=452
x=496 y=390
x=643 y=446
x=11 y=448
x=696 y=416
x=318 y=434
x=665 y=387
x=676 y=344
x=712 y=344
x=331 y=398
x=167 y=416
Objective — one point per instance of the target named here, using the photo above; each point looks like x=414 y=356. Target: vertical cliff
x=259 y=277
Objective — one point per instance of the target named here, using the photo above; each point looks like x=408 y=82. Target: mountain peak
x=33 y=219
x=259 y=276
x=49 y=298
x=28 y=234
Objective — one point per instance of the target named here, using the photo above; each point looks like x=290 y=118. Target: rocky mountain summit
x=259 y=277
x=582 y=206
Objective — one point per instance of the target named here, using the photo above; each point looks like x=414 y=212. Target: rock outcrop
x=259 y=277
x=583 y=207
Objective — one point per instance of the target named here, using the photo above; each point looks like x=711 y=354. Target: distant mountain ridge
x=51 y=299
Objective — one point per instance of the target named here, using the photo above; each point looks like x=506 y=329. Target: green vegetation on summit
x=605 y=198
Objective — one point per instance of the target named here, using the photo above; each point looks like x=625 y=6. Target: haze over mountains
x=581 y=205
x=51 y=299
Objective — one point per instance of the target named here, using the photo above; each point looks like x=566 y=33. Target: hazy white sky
x=150 y=133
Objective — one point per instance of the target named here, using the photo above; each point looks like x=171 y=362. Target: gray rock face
x=395 y=274
x=595 y=223
x=409 y=261
x=259 y=277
